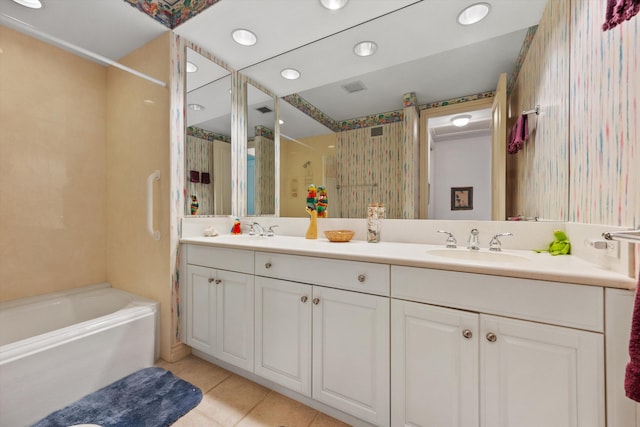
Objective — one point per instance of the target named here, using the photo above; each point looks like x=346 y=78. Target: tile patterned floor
x=230 y=400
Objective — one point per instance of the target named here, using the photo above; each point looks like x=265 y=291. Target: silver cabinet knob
x=267 y=265
x=362 y=278
x=491 y=337
x=304 y=298
x=218 y=281
x=467 y=334
x=316 y=301
x=210 y=279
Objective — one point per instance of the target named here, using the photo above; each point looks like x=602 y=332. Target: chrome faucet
x=451 y=241
x=495 y=244
x=474 y=241
x=252 y=230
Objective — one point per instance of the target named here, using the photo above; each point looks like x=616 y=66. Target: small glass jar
x=373 y=223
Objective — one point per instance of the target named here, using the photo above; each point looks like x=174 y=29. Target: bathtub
x=59 y=347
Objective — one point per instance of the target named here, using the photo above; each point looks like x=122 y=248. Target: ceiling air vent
x=377 y=131
x=264 y=110
x=352 y=87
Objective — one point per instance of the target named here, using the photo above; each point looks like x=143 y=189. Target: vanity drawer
x=576 y=306
x=351 y=275
x=221 y=258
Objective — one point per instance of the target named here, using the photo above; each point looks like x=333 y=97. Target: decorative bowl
x=339 y=235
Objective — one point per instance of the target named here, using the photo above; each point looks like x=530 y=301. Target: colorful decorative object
x=194 y=205
x=312 y=197
x=311 y=208
x=236 y=228
x=323 y=202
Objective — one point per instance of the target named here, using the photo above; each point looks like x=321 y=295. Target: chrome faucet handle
x=474 y=241
x=495 y=244
x=252 y=231
x=270 y=232
x=451 y=241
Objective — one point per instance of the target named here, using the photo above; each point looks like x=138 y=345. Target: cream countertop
x=529 y=265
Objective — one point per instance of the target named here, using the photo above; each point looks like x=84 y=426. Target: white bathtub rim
x=39 y=343
x=57 y=294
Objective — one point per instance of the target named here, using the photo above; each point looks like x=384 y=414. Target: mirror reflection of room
x=261 y=164
x=208 y=137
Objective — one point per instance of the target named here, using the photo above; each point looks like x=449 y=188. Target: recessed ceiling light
x=196 y=107
x=244 y=37
x=474 y=13
x=290 y=74
x=334 y=4
x=461 y=120
x=191 y=67
x=367 y=48
x=32 y=4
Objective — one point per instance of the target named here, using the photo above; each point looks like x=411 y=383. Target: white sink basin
x=477 y=256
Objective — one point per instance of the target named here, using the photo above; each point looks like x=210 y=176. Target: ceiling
x=421 y=47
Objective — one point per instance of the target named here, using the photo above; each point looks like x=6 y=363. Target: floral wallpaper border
x=171 y=13
x=207 y=135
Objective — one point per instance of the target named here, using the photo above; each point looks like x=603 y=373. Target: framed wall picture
x=461 y=198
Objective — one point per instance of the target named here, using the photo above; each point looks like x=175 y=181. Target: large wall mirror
x=208 y=137
x=347 y=133
x=343 y=118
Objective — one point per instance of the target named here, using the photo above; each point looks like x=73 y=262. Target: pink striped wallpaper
x=582 y=162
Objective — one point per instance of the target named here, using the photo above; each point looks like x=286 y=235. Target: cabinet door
x=540 y=375
x=234 y=318
x=200 y=312
x=351 y=353
x=283 y=333
x=434 y=373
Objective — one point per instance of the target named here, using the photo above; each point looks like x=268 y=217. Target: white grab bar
x=155 y=176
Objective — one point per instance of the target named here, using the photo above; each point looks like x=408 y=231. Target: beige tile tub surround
x=52 y=168
x=231 y=400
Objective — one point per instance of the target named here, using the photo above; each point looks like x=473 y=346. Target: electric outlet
x=613 y=249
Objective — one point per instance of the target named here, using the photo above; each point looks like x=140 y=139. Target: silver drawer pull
x=491 y=337
x=304 y=298
x=467 y=334
x=267 y=265
x=316 y=301
x=362 y=278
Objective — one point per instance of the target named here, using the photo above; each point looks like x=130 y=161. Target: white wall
x=463 y=162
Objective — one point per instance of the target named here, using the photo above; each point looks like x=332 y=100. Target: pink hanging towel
x=619 y=11
x=632 y=377
x=519 y=135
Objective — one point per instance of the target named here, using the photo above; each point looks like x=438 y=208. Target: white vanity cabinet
x=219 y=314
x=470 y=363
x=314 y=338
x=283 y=333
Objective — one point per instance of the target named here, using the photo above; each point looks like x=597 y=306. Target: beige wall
x=292 y=157
x=138 y=144
x=52 y=168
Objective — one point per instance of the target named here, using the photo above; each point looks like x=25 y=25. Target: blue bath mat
x=151 y=397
